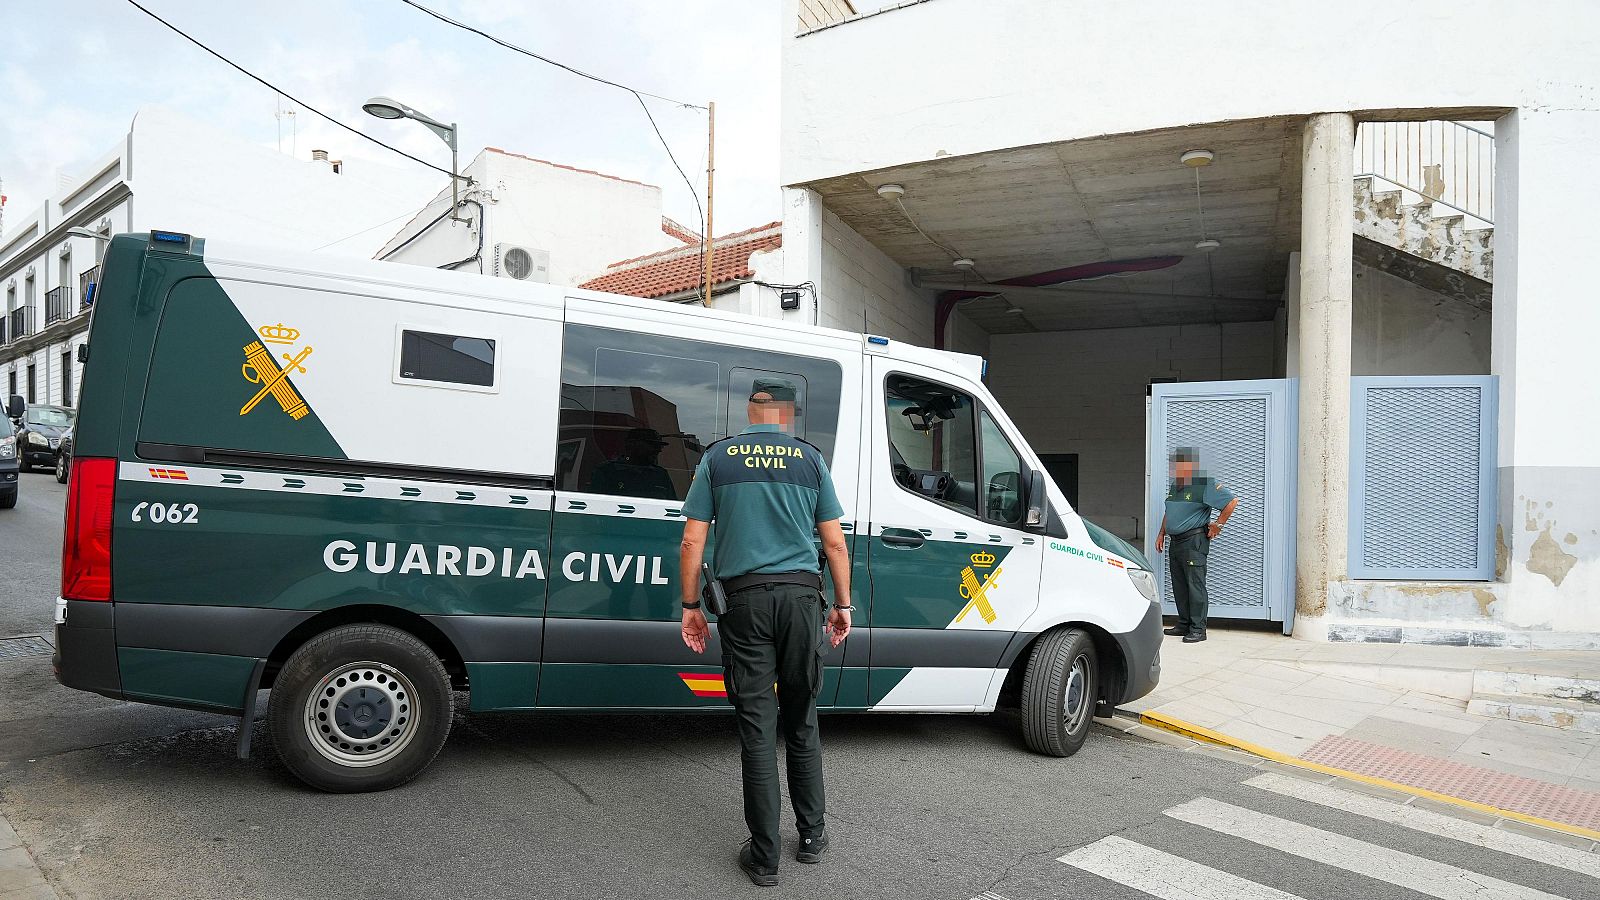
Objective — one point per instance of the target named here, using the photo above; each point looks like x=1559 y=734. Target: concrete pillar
x=802 y=248
x=1323 y=363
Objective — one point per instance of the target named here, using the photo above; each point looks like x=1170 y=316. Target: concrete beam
x=1326 y=303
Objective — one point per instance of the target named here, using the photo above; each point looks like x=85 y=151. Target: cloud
x=75 y=82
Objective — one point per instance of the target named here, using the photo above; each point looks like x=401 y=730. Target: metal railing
x=20 y=323
x=87 y=285
x=1449 y=162
x=57 y=305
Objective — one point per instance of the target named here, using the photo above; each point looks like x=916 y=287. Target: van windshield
x=49 y=415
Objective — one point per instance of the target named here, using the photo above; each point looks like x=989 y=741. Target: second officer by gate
x=767 y=491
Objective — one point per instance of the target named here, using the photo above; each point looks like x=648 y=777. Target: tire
x=378 y=699
x=1059 y=691
x=22 y=459
x=9 y=501
x=63 y=465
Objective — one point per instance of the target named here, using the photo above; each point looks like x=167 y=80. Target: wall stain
x=1502 y=553
x=1486 y=599
x=1570 y=538
x=1547 y=558
x=1530 y=520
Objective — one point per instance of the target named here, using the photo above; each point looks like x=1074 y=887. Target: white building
x=171 y=173
x=569 y=223
x=1042 y=140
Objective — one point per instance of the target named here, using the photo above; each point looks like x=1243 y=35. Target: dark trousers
x=773 y=635
x=1186 y=561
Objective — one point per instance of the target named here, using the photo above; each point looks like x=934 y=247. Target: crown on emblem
x=279 y=334
x=982 y=560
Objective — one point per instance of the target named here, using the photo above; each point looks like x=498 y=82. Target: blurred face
x=1183 y=470
x=763 y=410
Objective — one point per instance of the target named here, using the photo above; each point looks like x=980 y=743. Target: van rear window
x=446 y=358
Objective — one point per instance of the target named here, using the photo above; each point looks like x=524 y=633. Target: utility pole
x=711 y=170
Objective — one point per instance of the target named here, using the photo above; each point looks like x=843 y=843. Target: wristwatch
x=694 y=605
x=846 y=608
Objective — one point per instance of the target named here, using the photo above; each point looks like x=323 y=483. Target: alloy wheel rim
x=1075 y=703
x=361 y=714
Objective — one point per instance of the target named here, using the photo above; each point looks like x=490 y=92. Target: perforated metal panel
x=1422 y=477
x=1231 y=436
x=1244 y=432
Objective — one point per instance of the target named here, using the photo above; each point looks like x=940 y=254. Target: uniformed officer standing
x=766 y=491
x=1190 y=502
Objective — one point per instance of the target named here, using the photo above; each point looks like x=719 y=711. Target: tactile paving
x=1498 y=789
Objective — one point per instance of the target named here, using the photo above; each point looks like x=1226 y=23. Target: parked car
x=64 y=454
x=9 y=455
x=40 y=433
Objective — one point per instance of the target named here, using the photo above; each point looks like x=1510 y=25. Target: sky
x=74 y=73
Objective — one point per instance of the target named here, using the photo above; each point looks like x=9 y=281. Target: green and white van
x=366 y=486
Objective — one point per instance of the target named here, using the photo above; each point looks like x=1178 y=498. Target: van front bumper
x=86 y=647
x=1141 y=649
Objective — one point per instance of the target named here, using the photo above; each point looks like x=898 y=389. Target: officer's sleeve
x=828 y=507
x=1217 y=497
x=697 y=505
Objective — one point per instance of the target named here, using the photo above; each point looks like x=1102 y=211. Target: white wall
x=1083 y=392
x=1398 y=328
x=1027 y=72
x=585 y=220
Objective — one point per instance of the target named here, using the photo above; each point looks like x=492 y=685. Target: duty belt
x=1190 y=533
x=757 y=579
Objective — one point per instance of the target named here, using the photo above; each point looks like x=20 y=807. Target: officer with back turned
x=1191 y=499
x=766 y=492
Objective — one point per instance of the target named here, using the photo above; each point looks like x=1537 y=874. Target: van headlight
x=38 y=439
x=8 y=447
x=1144 y=581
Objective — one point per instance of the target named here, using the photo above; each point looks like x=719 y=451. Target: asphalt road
x=121 y=800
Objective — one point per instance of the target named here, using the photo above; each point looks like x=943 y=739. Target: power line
x=361 y=134
x=637 y=95
x=544 y=59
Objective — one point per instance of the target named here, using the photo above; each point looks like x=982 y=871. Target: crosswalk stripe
x=1530 y=848
x=1424 y=876
x=1163 y=875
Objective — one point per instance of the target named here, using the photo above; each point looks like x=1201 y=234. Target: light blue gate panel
x=1231 y=435
x=1422 y=487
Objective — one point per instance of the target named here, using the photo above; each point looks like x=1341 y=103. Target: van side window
x=931 y=444
x=638 y=410
x=1002 y=475
x=446 y=358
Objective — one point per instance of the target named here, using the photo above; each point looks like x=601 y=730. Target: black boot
x=1194 y=637
x=812 y=848
x=1176 y=631
x=759 y=875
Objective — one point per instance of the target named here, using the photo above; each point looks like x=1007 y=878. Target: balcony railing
x=20 y=324
x=87 y=285
x=57 y=305
x=1447 y=162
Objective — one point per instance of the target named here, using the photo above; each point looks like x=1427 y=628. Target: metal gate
x=1245 y=432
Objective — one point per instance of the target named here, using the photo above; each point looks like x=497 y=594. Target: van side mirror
x=15 y=407
x=1038 y=502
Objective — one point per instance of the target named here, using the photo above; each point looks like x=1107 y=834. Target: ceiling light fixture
x=1012 y=309
x=964 y=264
x=1207 y=245
x=891 y=191
x=1197 y=160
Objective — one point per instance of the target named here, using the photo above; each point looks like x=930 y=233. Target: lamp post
x=388 y=108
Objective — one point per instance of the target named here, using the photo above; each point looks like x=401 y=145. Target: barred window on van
x=427 y=356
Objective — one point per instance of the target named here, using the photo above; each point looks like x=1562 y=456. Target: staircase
x=1430 y=230
x=1562 y=700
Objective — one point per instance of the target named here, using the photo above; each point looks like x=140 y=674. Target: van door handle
x=903 y=537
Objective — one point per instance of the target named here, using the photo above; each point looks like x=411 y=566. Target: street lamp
x=388 y=108
x=80 y=231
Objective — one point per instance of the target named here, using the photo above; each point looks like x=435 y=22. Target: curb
x=20 y=875
x=1206 y=735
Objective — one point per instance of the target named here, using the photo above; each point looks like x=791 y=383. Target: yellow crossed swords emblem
x=977 y=593
x=260 y=368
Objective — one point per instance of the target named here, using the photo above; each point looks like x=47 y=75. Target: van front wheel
x=1058 y=692
x=360 y=708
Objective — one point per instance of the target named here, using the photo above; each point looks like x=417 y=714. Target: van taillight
x=86 y=546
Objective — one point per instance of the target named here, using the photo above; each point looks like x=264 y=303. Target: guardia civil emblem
x=976 y=592
x=260 y=368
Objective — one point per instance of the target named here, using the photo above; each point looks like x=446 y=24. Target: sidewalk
x=1393 y=711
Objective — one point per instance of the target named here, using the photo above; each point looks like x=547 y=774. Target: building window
x=447 y=359
x=11 y=391
x=66 y=377
x=639 y=410
x=32 y=383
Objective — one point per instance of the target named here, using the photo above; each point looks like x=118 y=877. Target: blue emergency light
x=880 y=341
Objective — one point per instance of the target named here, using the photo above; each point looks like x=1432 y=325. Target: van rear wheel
x=360 y=708
x=1058 y=692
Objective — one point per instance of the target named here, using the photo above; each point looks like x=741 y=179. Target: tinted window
x=639 y=410
x=931 y=445
x=1002 y=475
x=428 y=356
x=49 y=415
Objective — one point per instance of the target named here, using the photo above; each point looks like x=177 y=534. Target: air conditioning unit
x=522 y=263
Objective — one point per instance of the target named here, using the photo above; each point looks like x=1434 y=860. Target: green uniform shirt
x=765 y=492
x=1189 y=505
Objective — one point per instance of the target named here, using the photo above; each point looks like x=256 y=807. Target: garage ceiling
x=1034 y=209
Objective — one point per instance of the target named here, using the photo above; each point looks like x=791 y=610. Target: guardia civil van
x=367 y=486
